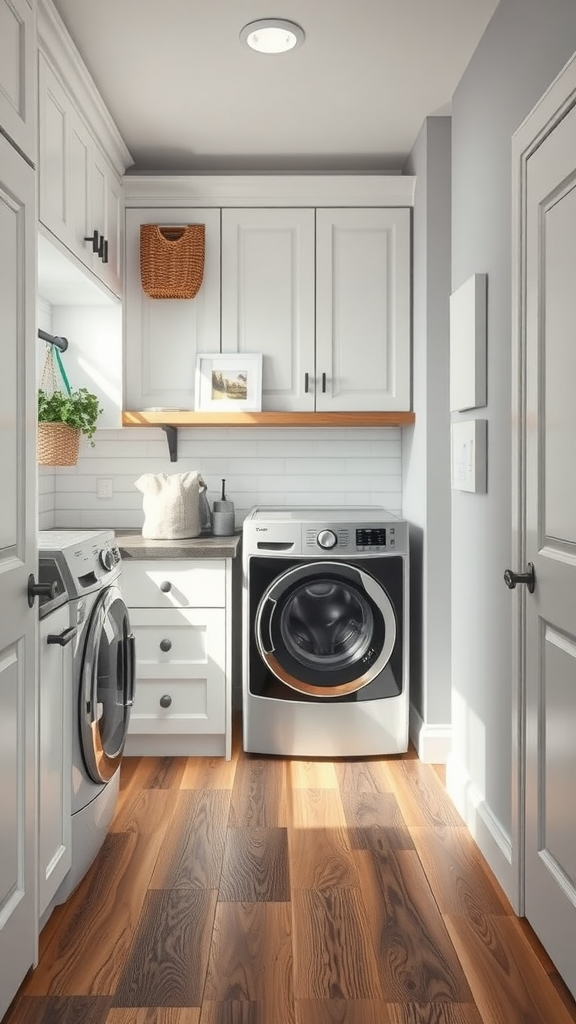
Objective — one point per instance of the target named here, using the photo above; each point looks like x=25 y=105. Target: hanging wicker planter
x=58 y=444
x=172 y=260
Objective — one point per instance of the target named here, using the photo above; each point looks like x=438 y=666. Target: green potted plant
x=62 y=418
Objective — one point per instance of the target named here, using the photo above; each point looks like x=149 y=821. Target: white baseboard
x=432 y=742
x=494 y=843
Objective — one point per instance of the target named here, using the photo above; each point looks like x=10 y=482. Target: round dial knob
x=107 y=559
x=326 y=539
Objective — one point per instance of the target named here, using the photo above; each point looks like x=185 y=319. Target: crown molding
x=269 y=190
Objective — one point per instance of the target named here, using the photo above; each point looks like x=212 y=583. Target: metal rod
x=53 y=339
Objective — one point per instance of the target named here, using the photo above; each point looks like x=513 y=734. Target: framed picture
x=228 y=382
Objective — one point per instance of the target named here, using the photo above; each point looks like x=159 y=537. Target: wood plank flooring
x=270 y=890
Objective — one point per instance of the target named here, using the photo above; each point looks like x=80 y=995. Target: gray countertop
x=133 y=545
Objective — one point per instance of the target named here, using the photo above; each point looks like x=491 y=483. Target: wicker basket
x=172 y=260
x=58 y=444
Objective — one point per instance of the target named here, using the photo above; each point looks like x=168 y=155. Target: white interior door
x=548 y=342
x=18 y=918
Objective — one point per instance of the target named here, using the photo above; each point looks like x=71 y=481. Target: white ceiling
x=187 y=96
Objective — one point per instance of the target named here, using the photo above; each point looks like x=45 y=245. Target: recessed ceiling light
x=272 y=35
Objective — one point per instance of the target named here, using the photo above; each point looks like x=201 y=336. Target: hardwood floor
x=267 y=890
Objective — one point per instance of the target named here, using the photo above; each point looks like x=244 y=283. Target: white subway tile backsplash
x=287 y=466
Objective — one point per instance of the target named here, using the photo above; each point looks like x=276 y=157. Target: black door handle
x=528 y=578
x=62 y=638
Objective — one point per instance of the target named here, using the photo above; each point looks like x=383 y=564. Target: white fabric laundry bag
x=172 y=505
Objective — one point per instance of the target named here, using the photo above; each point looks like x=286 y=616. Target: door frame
x=556 y=102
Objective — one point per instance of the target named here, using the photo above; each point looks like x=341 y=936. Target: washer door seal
x=107 y=685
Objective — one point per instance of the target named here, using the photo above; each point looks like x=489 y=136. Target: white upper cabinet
x=163 y=336
x=268 y=299
x=18 y=74
x=81 y=158
x=314 y=272
x=80 y=195
x=325 y=295
x=363 y=310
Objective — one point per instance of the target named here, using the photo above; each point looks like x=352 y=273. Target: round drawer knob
x=165 y=645
x=165 y=701
x=165 y=586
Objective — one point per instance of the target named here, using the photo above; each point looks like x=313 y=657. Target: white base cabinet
x=180 y=612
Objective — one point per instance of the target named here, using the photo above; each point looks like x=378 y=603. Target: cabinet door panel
x=363 y=309
x=79 y=159
x=53 y=171
x=18 y=75
x=268 y=299
x=163 y=336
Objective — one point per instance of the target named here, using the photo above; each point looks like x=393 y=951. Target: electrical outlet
x=104 y=487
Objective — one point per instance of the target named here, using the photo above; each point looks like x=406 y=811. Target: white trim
x=269 y=190
x=432 y=742
x=58 y=48
x=494 y=843
x=559 y=98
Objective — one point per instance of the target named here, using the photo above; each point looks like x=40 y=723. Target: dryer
x=325 y=631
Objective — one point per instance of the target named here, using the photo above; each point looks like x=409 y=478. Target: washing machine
x=103 y=671
x=325 y=632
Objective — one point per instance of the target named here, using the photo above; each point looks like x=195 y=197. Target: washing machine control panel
x=348 y=539
x=379 y=539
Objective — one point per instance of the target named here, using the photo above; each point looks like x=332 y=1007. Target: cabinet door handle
x=165 y=645
x=165 y=586
x=165 y=700
x=103 y=249
x=323 y=383
x=95 y=239
x=306 y=383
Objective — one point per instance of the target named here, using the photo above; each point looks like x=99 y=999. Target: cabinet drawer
x=194 y=707
x=175 y=644
x=181 y=689
x=171 y=583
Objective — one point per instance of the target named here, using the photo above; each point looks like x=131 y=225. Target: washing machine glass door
x=325 y=628
x=107 y=685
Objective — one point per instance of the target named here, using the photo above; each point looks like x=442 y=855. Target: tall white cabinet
x=314 y=273
x=18 y=622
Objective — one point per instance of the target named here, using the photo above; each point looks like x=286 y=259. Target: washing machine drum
x=325 y=629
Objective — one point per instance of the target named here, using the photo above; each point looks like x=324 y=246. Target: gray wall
x=524 y=47
x=426 y=446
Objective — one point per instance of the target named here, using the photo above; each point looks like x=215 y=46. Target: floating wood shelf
x=171 y=419
x=185 y=418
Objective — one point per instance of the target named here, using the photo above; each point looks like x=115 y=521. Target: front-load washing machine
x=325 y=632
x=103 y=669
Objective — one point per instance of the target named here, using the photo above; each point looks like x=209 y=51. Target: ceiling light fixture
x=272 y=35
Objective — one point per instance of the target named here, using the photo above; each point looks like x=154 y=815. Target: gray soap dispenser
x=223 y=519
